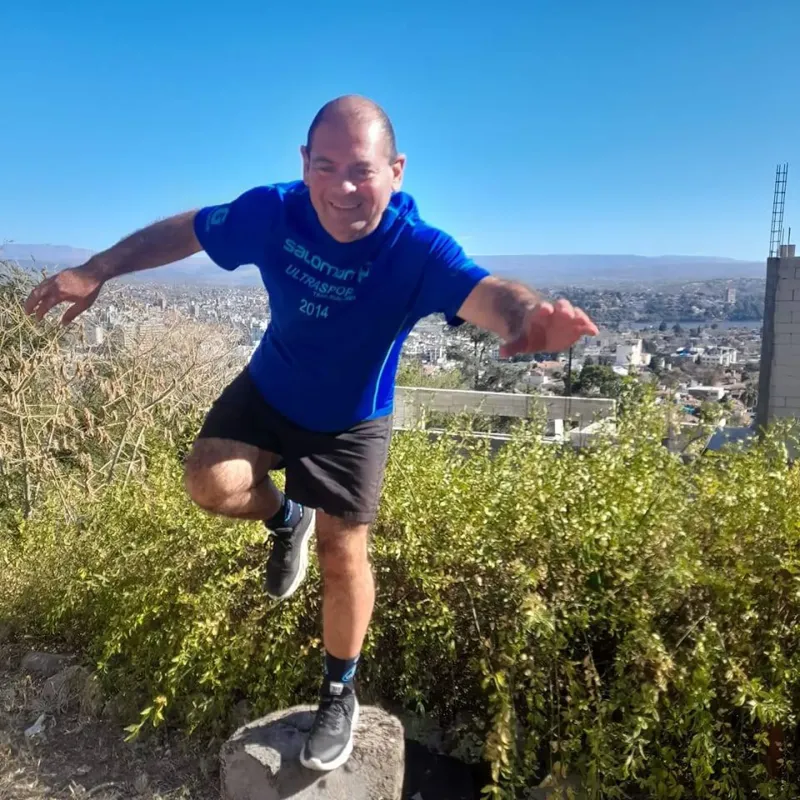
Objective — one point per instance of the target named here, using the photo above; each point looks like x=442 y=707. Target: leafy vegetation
x=412 y=373
x=613 y=613
x=597 y=380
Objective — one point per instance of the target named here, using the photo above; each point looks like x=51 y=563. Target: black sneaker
x=288 y=561
x=330 y=741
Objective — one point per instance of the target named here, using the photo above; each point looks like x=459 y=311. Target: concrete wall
x=779 y=379
x=410 y=401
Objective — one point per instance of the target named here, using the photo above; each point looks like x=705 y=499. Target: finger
x=35 y=297
x=562 y=304
x=74 y=310
x=581 y=315
x=586 y=323
x=46 y=302
x=564 y=310
x=540 y=315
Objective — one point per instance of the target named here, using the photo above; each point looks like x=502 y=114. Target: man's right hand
x=78 y=285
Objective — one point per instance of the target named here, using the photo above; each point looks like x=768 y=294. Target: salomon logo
x=217 y=216
x=317 y=263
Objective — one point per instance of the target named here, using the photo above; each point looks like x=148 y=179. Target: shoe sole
x=321 y=766
x=303 y=569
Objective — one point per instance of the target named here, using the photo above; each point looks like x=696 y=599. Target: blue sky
x=539 y=126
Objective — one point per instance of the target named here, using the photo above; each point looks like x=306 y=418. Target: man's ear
x=306 y=156
x=398 y=170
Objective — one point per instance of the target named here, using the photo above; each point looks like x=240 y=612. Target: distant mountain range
x=538 y=270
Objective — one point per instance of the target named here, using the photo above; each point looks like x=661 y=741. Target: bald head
x=353 y=108
x=351 y=166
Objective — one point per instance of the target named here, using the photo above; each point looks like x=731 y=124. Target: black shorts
x=340 y=473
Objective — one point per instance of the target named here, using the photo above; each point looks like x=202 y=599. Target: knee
x=342 y=551
x=207 y=485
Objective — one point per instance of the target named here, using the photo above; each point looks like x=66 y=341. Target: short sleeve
x=237 y=233
x=449 y=277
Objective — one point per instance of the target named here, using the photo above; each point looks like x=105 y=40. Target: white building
x=629 y=354
x=536 y=379
x=435 y=353
x=112 y=315
x=95 y=335
x=719 y=357
x=426 y=348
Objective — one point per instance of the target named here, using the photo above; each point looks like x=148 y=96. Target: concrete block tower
x=779 y=379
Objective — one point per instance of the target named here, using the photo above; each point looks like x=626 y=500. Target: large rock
x=44 y=665
x=73 y=687
x=261 y=761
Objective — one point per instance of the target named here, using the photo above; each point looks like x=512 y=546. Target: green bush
x=613 y=612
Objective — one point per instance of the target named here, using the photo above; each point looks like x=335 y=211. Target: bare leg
x=348 y=586
x=231 y=478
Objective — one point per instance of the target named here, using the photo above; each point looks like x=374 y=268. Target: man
x=350 y=268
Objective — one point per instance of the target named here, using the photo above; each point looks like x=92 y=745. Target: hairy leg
x=348 y=586
x=231 y=478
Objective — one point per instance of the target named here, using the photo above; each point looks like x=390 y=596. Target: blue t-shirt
x=339 y=312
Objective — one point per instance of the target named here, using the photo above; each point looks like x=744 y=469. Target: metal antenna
x=778 y=202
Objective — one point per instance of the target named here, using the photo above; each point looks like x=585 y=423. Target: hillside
x=590 y=270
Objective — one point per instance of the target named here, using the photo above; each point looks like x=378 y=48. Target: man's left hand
x=550 y=328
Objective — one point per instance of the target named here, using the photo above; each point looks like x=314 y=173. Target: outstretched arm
x=525 y=322
x=163 y=242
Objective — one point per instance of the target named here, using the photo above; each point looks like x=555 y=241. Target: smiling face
x=351 y=172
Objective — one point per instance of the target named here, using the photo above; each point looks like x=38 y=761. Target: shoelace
x=332 y=713
x=284 y=537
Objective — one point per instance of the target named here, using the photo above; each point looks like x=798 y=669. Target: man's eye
x=324 y=168
x=364 y=174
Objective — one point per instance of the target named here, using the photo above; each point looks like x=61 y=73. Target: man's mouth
x=345 y=207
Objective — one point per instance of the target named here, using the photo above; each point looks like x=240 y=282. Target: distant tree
x=481 y=341
x=410 y=373
x=714 y=326
x=670 y=380
x=663 y=326
x=495 y=376
x=750 y=395
x=677 y=329
x=597 y=379
x=455 y=353
x=588 y=361
x=710 y=376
